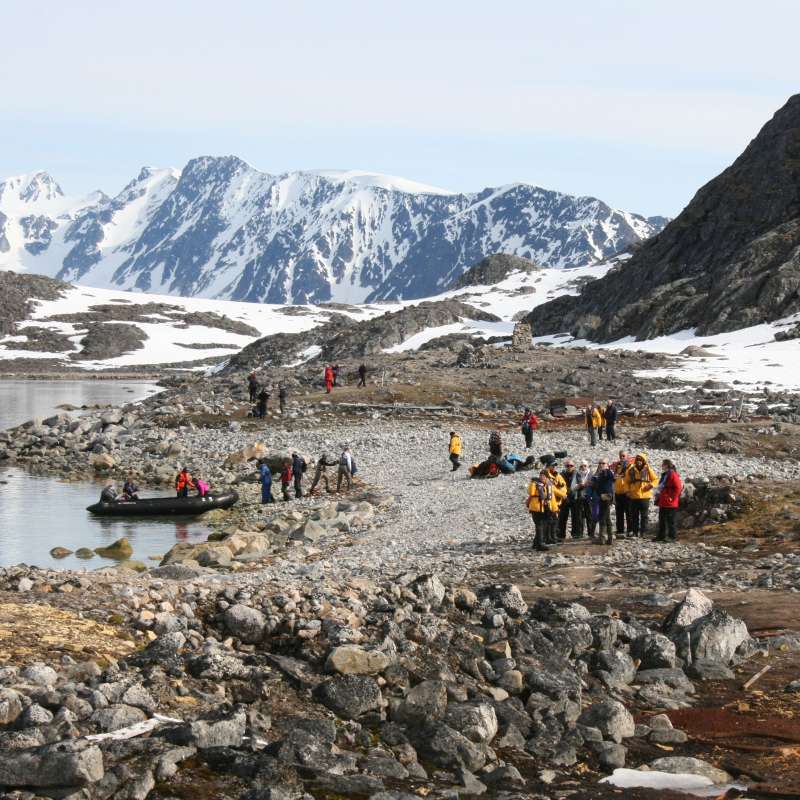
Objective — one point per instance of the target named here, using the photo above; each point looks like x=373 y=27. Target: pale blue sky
x=637 y=103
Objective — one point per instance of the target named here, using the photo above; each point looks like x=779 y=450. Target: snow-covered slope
x=222 y=229
x=750 y=356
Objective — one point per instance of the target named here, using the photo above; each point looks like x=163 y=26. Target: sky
x=638 y=103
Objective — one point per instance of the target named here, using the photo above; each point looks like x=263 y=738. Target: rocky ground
x=403 y=639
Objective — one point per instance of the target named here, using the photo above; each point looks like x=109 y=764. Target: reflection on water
x=37 y=514
x=24 y=400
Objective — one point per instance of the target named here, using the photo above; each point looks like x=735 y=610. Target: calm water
x=24 y=400
x=37 y=514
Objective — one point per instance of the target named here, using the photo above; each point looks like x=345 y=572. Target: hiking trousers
x=563 y=517
x=621 y=512
x=528 y=434
x=639 y=514
x=667 y=527
x=455 y=462
x=540 y=524
x=344 y=475
x=611 y=434
x=319 y=475
x=298 y=490
x=285 y=491
x=604 y=520
x=593 y=437
x=266 y=493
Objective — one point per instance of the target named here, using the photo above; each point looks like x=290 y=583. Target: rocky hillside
x=493 y=269
x=221 y=229
x=730 y=260
x=18 y=293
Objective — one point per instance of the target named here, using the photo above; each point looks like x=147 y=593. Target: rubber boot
x=538 y=544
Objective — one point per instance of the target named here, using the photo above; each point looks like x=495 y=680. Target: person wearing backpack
x=538 y=503
x=298 y=468
x=345 y=470
x=668 y=496
x=286 y=478
x=529 y=424
x=640 y=479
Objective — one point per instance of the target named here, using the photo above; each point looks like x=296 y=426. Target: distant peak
x=31 y=187
x=378 y=180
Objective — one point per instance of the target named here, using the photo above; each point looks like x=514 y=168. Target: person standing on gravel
x=668 y=496
x=611 y=420
x=620 y=469
x=283 y=393
x=362 y=375
x=286 y=478
x=640 y=480
x=567 y=508
x=265 y=476
x=252 y=385
x=299 y=466
x=581 y=480
x=603 y=490
x=263 y=401
x=593 y=422
x=530 y=423
x=345 y=470
x=455 y=448
x=328 y=379
x=558 y=497
x=320 y=473
x=538 y=503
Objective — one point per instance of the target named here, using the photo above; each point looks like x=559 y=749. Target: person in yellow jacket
x=539 y=504
x=640 y=479
x=455 y=450
x=559 y=496
x=620 y=468
x=594 y=421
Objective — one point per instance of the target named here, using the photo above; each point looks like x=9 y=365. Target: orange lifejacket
x=184 y=481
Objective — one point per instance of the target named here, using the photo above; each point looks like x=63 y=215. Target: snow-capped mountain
x=222 y=229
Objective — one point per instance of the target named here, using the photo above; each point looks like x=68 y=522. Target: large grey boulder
x=693 y=606
x=426 y=701
x=508 y=597
x=692 y=766
x=654 y=651
x=350 y=696
x=611 y=718
x=10 y=706
x=429 y=589
x=67 y=764
x=117 y=716
x=717 y=636
x=227 y=731
x=477 y=721
x=244 y=622
x=445 y=747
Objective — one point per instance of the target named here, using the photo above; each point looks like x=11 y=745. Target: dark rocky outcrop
x=494 y=269
x=110 y=339
x=18 y=292
x=343 y=337
x=731 y=259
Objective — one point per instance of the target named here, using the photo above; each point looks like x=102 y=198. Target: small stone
x=350 y=659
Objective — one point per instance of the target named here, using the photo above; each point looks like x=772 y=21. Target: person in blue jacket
x=266 y=484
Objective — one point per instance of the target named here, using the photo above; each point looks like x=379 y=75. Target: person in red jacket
x=328 y=379
x=668 y=495
x=286 y=477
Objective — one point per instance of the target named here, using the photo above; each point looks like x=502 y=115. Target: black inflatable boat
x=165 y=506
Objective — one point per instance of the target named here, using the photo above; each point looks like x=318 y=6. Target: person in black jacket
x=603 y=495
x=568 y=507
x=611 y=419
x=298 y=468
x=252 y=386
x=263 y=399
x=495 y=444
x=362 y=375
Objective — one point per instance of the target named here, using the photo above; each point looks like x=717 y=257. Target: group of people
x=293 y=469
x=583 y=499
x=260 y=394
x=331 y=376
x=601 y=419
x=184 y=483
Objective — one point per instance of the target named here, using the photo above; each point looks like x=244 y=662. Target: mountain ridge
x=221 y=228
x=729 y=260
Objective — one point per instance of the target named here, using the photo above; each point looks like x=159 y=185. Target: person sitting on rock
x=109 y=494
x=130 y=490
x=183 y=483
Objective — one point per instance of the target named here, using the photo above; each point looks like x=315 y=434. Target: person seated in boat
x=130 y=491
x=109 y=494
x=202 y=487
x=183 y=483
